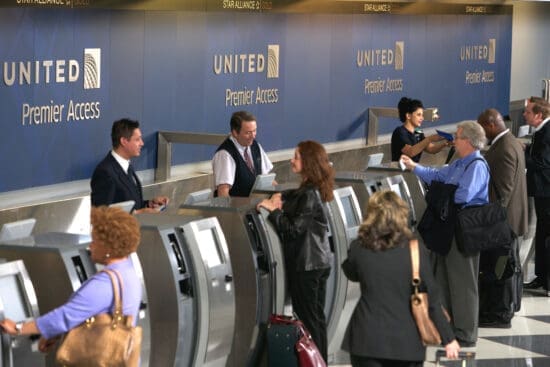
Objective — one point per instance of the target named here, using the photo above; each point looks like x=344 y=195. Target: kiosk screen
x=19 y=229
x=397 y=189
x=13 y=298
x=209 y=247
x=349 y=211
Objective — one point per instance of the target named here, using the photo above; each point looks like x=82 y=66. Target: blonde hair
x=117 y=230
x=387 y=222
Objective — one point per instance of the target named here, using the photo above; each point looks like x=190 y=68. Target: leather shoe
x=536 y=283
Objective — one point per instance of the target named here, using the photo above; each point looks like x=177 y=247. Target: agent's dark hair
x=540 y=105
x=387 y=222
x=123 y=128
x=237 y=119
x=316 y=168
x=407 y=105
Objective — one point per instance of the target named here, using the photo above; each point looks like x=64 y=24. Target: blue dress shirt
x=95 y=296
x=472 y=183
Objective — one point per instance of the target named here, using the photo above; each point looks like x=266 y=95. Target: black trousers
x=542 y=234
x=359 y=361
x=308 y=292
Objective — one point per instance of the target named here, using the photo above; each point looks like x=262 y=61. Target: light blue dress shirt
x=473 y=183
x=95 y=296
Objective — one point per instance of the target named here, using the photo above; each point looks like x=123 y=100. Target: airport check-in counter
x=258 y=271
x=18 y=302
x=366 y=183
x=189 y=282
x=344 y=217
x=57 y=264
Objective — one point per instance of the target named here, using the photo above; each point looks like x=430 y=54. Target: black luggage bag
x=500 y=297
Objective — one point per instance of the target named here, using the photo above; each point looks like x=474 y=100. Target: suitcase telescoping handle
x=464 y=356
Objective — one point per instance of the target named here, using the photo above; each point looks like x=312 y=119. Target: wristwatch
x=19 y=328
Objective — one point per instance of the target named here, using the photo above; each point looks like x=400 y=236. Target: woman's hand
x=46 y=345
x=452 y=349
x=8 y=327
x=265 y=203
x=275 y=202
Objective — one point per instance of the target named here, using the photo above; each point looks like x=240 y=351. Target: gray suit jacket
x=506 y=160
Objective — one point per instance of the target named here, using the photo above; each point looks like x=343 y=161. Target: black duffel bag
x=480 y=228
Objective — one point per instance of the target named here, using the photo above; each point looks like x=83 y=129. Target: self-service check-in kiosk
x=366 y=183
x=344 y=217
x=189 y=281
x=18 y=302
x=58 y=263
x=415 y=185
x=258 y=271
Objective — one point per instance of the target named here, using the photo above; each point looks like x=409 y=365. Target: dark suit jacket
x=382 y=325
x=506 y=160
x=537 y=160
x=110 y=184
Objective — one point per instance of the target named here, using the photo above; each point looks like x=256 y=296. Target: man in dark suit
x=537 y=160
x=508 y=186
x=114 y=180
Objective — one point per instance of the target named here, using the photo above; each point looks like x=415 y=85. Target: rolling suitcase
x=282 y=337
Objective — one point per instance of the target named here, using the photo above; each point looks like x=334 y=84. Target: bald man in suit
x=506 y=160
x=508 y=186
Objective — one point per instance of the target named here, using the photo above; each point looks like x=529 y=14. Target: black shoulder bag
x=482 y=227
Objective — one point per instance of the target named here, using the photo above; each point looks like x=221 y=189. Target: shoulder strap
x=116 y=281
x=489 y=170
x=477 y=159
x=415 y=260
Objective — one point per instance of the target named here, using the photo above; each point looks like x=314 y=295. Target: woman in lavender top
x=115 y=235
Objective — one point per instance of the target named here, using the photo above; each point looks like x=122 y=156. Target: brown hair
x=117 y=230
x=387 y=222
x=540 y=105
x=316 y=168
x=237 y=119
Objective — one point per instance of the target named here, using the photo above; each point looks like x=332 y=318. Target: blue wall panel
x=162 y=68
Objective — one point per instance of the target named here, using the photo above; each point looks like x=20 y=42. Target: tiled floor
x=526 y=344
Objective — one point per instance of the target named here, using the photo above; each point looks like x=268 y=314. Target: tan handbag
x=103 y=340
x=419 y=303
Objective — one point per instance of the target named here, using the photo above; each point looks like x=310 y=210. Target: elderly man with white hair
x=455 y=272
